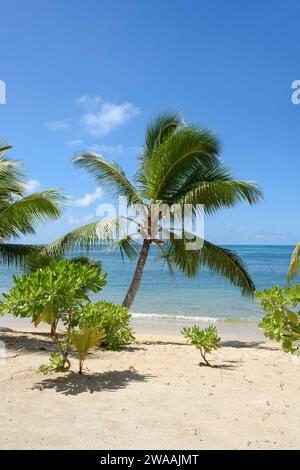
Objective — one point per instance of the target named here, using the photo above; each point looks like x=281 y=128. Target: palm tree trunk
x=135 y=283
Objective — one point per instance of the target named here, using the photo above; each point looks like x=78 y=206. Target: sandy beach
x=151 y=395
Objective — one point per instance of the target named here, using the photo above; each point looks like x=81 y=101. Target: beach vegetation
x=179 y=164
x=294 y=267
x=42 y=260
x=84 y=339
x=206 y=340
x=282 y=322
x=54 y=294
x=56 y=364
x=113 y=319
x=21 y=212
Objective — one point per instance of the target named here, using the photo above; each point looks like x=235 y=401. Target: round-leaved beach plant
x=54 y=293
x=282 y=322
x=48 y=294
x=113 y=319
x=206 y=340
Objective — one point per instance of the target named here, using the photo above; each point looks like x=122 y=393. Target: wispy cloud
x=106 y=149
x=32 y=185
x=115 y=149
x=88 y=198
x=99 y=117
x=90 y=103
x=76 y=221
x=62 y=125
x=109 y=117
x=75 y=143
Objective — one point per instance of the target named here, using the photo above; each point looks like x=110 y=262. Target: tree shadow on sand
x=225 y=344
x=74 y=384
x=28 y=342
x=248 y=345
x=34 y=341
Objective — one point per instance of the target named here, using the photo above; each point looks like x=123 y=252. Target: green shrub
x=83 y=340
x=48 y=294
x=206 y=340
x=282 y=323
x=54 y=293
x=42 y=260
x=113 y=319
x=56 y=364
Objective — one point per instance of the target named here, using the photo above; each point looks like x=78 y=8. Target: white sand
x=152 y=395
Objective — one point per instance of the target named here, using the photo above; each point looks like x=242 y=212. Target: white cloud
x=89 y=198
x=32 y=185
x=90 y=103
x=99 y=116
x=115 y=149
x=108 y=117
x=61 y=125
x=73 y=221
x=75 y=143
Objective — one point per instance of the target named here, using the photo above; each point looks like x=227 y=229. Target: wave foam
x=196 y=319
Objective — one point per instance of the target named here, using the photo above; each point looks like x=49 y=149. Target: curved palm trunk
x=135 y=283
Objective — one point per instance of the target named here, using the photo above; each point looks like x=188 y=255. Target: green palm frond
x=21 y=216
x=4 y=147
x=128 y=246
x=18 y=213
x=17 y=254
x=87 y=236
x=165 y=257
x=108 y=174
x=217 y=190
x=174 y=162
x=294 y=268
x=228 y=264
x=217 y=259
x=160 y=130
x=12 y=182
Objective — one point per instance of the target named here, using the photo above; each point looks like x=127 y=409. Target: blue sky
x=90 y=74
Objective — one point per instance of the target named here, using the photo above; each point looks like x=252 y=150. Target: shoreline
x=239 y=330
x=159 y=325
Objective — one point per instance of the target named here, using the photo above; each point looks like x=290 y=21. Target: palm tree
x=294 y=268
x=179 y=165
x=19 y=213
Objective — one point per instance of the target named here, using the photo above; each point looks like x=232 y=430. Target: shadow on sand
x=74 y=384
x=224 y=344
x=247 y=345
x=220 y=366
x=33 y=342
x=37 y=341
x=28 y=342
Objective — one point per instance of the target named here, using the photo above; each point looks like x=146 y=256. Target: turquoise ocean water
x=207 y=296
